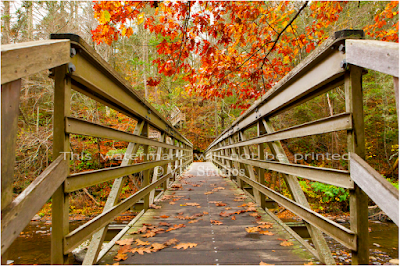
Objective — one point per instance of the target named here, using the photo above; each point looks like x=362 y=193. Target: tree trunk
x=6 y=22
x=29 y=6
x=146 y=93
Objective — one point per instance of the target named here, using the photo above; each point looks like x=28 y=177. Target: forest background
x=210 y=60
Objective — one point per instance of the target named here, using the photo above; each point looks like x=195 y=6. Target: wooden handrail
x=316 y=74
x=384 y=194
x=23 y=59
x=94 y=77
x=376 y=55
x=21 y=210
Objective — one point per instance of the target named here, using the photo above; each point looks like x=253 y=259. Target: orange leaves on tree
x=386 y=26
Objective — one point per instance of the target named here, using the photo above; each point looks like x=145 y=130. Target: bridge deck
x=228 y=243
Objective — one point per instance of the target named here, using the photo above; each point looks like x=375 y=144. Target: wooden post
x=113 y=198
x=257 y=195
x=156 y=170
x=9 y=128
x=234 y=164
x=171 y=155
x=165 y=152
x=356 y=144
x=181 y=160
x=60 y=200
x=261 y=171
x=176 y=169
x=146 y=173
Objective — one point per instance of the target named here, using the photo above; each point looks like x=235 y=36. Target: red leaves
x=153 y=82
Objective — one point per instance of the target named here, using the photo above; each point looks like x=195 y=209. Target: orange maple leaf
x=185 y=245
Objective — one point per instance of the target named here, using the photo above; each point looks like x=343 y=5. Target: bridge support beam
x=60 y=199
x=356 y=144
x=9 y=127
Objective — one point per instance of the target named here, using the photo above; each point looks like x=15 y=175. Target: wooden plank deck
x=228 y=243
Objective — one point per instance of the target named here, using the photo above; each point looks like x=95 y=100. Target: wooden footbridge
x=215 y=212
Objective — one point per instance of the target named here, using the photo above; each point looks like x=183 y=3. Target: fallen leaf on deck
x=251 y=209
x=265 y=226
x=176 y=186
x=149 y=234
x=224 y=214
x=125 y=249
x=158 y=246
x=239 y=211
x=228 y=208
x=262 y=222
x=165 y=224
x=175 y=226
x=205 y=213
x=208 y=193
x=192 y=204
x=243 y=205
x=141 y=250
x=220 y=204
x=172 y=202
x=233 y=218
x=310 y=263
x=216 y=222
x=139 y=242
x=193 y=221
x=252 y=229
x=281 y=239
x=172 y=241
x=164 y=216
x=153 y=206
x=286 y=244
x=266 y=232
x=140 y=230
x=124 y=242
x=181 y=217
x=158 y=230
x=185 y=245
x=121 y=256
x=254 y=214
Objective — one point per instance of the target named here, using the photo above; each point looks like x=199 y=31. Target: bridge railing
x=76 y=66
x=338 y=61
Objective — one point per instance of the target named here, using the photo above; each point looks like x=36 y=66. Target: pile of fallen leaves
x=146 y=247
x=147 y=231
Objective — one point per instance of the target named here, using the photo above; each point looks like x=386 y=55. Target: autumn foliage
x=244 y=48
